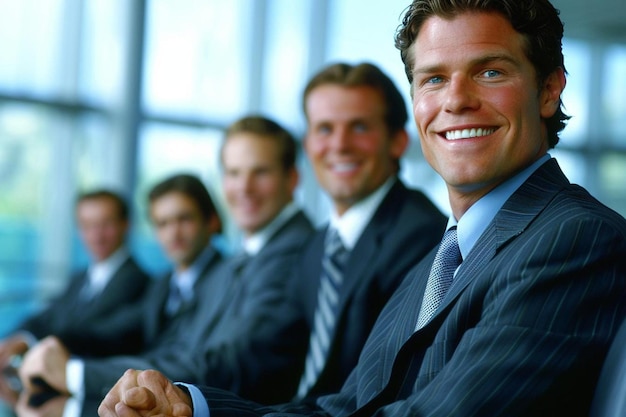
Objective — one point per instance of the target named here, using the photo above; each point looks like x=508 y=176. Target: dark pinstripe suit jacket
x=88 y=328
x=522 y=332
x=232 y=305
x=148 y=322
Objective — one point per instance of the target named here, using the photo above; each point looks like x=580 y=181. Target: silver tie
x=333 y=262
x=447 y=260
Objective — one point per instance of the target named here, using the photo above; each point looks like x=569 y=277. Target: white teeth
x=468 y=133
x=343 y=167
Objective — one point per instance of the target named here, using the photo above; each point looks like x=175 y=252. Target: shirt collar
x=254 y=243
x=476 y=219
x=186 y=279
x=100 y=273
x=353 y=222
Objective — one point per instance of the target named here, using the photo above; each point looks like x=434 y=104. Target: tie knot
x=449 y=248
x=333 y=244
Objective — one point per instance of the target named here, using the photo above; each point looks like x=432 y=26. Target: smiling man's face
x=348 y=142
x=477 y=103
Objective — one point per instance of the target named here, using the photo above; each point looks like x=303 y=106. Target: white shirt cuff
x=75 y=377
x=200 y=406
x=73 y=407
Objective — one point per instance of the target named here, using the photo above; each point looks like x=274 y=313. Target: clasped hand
x=43 y=367
x=145 y=394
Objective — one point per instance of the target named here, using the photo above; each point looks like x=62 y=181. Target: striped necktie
x=174 y=300
x=447 y=259
x=333 y=262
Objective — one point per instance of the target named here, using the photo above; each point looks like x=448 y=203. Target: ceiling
x=594 y=19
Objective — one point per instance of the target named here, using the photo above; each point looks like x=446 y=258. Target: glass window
x=29 y=196
x=34 y=60
x=574 y=166
x=104 y=50
x=614 y=104
x=196 y=62
x=612 y=181
x=285 y=62
x=576 y=94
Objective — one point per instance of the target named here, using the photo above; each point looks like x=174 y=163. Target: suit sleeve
x=51 y=319
x=261 y=357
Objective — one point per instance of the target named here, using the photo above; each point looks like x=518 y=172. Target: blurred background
x=121 y=93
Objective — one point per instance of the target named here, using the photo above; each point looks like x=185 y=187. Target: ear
x=293 y=177
x=550 y=96
x=399 y=143
x=214 y=224
x=126 y=225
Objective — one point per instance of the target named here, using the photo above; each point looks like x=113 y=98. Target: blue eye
x=491 y=73
x=435 y=80
x=360 y=127
x=324 y=129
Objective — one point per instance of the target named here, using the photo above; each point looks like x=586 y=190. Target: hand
x=8 y=391
x=29 y=406
x=45 y=362
x=13 y=346
x=145 y=394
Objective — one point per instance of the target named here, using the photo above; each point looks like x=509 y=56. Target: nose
x=340 y=138
x=245 y=183
x=460 y=95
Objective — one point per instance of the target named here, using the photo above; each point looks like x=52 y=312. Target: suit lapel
x=511 y=220
x=217 y=295
x=199 y=292
x=359 y=273
x=231 y=286
x=401 y=366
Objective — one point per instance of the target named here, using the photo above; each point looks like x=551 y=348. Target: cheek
x=267 y=188
x=374 y=144
x=314 y=148
x=229 y=185
x=424 y=110
x=162 y=235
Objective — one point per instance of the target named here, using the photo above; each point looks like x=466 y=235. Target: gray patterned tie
x=333 y=262
x=174 y=300
x=447 y=259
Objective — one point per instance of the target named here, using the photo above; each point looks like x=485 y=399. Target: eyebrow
x=480 y=61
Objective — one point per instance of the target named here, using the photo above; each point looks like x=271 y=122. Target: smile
x=469 y=133
x=344 y=167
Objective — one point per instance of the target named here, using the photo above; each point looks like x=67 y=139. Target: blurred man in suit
x=516 y=308
x=259 y=178
x=355 y=139
x=185 y=219
x=112 y=281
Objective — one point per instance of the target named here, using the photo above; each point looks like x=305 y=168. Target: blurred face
x=101 y=228
x=255 y=183
x=348 y=143
x=476 y=103
x=180 y=227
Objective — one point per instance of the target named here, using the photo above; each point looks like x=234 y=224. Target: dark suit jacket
x=523 y=330
x=234 y=303
x=404 y=228
x=86 y=327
